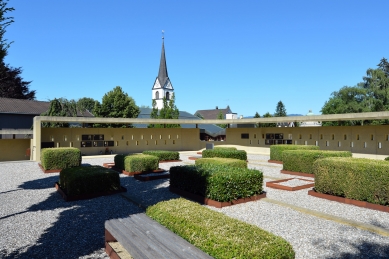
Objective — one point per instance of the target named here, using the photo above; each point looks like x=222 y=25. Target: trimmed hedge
x=354 y=178
x=60 y=158
x=302 y=160
x=88 y=179
x=119 y=161
x=163 y=155
x=225 y=153
x=222 y=161
x=216 y=182
x=225 y=148
x=217 y=234
x=140 y=163
x=276 y=150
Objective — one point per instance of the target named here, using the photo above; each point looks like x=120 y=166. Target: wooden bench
x=143 y=237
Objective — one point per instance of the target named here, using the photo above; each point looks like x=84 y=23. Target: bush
x=60 y=158
x=276 y=150
x=386 y=158
x=216 y=182
x=163 y=155
x=88 y=180
x=221 y=161
x=354 y=178
x=225 y=148
x=217 y=234
x=302 y=160
x=119 y=161
x=140 y=163
x=225 y=153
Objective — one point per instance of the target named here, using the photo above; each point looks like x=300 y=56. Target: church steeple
x=162 y=87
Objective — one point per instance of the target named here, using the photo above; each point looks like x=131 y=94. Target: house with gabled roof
x=213 y=114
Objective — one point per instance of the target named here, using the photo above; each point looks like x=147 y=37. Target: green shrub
x=140 y=163
x=163 y=155
x=354 y=178
x=217 y=234
x=302 y=160
x=225 y=148
x=216 y=182
x=88 y=180
x=60 y=158
x=221 y=161
x=386 y=158
x=276 y=150
x=119 y=161
x=225 y=153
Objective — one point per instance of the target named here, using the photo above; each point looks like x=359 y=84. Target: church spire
x=162 y=74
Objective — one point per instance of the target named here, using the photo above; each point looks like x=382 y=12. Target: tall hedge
x=222 y=161
x=163 y=155
x=119 y=161
x=60 y=158
x=225 y=153
x=354 y=178
x=302 y=160
x=220 y=183
x=140 y=163
x=276 y=150
x=217 y=234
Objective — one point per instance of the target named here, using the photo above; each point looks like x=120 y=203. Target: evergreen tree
x=60 y=107
x=280 y=110
x=257 y=125
x=168 y=111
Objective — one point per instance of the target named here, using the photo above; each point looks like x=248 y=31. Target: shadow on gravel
x=79 y=227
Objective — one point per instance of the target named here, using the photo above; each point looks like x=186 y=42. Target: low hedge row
x=163 y=155
x=354 y=178
x=276 y=150
x=302 y=160
x=217 y=182
x=60 y=158
x=88 y=180
x=217 y=234
x=225 y=153
x=222 y=161
x=140 y=163
x=225 y=148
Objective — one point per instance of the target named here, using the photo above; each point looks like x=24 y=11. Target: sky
x=247 y=54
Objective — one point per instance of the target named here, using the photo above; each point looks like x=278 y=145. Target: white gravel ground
x=36 y=223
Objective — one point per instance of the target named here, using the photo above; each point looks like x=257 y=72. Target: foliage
x=225 y=148
x=280 y=110
x=354 y=178
x=116 y=104
x=217 y=182
x=88 y=180
x=119 y=161
x=220 y=116
x=221 y=161
x=86 y=103
x=12 y=84
x=257 y=125
x=169 y=111
x=371 y=95
x=277 y=150
x=302 y=160
x=140 y=163
x=267 y=125
x=386 y=158
x=163 y=155
x=225 y=153
x=60 y=158
x=217 y=234
x=63 y=108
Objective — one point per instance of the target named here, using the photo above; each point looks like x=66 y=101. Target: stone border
x=275 y=162
x=146 y=177
x=363 y=204
x=49 y=171
x=170 y=161
x=273 y=184
x=213 y=203
x=86 y=196
x=108 y=165
x=297 y=173
x=193 y=158
x=159 y=170
x=199 y=153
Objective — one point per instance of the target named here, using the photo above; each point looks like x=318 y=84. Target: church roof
x=213 y=113
x=162 y=73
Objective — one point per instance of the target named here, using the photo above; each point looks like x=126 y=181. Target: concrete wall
x=14 y=149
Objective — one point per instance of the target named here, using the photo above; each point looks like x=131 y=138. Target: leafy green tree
x=257 y=125
x=220 y=116
x=12 y=84
x=116 y=104
x=267 y=125
x=63 y=108
x=86 y=103
x=280 y=110
x=168 y=111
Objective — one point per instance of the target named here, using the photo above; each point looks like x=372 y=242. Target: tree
x=86 y=103
x=116 y=104
x=280 y=110
x=267 y=125
x=168 y=111
x=60 y=107
x=12 y=84
x=220 y=116
x=257 y=125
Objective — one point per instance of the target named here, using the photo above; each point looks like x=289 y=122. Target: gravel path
x=36 y=223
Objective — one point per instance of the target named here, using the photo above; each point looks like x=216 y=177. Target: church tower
x=162 y=85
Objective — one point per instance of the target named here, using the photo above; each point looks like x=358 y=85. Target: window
x=316 y=143
x=156 y=143
x=147 y=142
x=169 y=136
x=177 y=136
x=321 y=136
x=255 y=135
x=157 y=95
x=141 y=136
x=357 y=136
x=244 y=136
x=379 y=145
x=306 y=142
x=165 y=141
x=71 y=144
x=151 y=136
x=310 y=136
x=137 y=143
x=339 y=144
x=351 y=144
x=65 y=138
x=345 y=137
x=365 y=145
x=289 y=136
x=250 y=141
x=263 y=136
x=327 y=143
x=160 y=136
x=300 y=136
x=117 y=143
x=371 y=137
x=167 y=96
x=387 y=137
x=333 y=136
x=126 y=143
x=174 y=142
